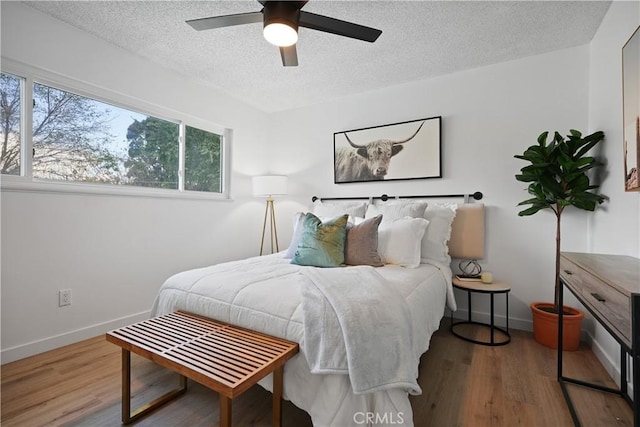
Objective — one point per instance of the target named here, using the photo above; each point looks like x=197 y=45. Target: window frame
x=26 y=182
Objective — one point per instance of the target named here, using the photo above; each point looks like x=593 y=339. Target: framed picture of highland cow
x=406 y=150
x=631 y=111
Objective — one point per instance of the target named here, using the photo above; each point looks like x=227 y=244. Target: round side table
x=492 y=289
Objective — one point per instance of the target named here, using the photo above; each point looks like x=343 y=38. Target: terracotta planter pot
x=545 y=326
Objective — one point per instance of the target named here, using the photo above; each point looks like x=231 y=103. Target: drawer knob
x=598 y=297
x=568 y=272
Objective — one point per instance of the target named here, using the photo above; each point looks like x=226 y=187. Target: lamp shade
x=269 y=185
x=467 y=232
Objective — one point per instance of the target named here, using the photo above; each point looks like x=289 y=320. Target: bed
x=346 y=371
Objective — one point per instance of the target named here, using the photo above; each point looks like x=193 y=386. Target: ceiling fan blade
x=289 y=56
x=225 y=21
x=339 y=27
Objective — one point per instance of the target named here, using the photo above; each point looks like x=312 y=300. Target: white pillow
x=396 y=209
x=399 y=241
x=333 y=209
x=434 y=243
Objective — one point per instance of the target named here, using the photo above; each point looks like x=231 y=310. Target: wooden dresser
x=609 y=288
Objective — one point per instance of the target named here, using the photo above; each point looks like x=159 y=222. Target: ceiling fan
x=281 y=20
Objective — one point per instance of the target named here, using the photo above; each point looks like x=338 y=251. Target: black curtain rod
x=477 y=196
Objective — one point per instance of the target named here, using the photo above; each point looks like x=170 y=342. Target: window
x=78 y=139
x=202 y=160
x=10 y=96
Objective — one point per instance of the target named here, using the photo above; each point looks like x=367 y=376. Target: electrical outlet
x=64 y=297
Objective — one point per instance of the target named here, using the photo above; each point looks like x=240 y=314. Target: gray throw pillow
x=361 y=245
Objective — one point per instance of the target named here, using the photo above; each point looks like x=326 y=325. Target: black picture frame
x=631 y=111
x=392 y=152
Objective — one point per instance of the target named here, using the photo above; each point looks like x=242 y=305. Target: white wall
x=616 y=228
x=114 y=252
x=488 y=114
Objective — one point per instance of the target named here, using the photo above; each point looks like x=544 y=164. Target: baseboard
x=35 y=347
x=607 y=361
x=611 y=364
x=499 y=320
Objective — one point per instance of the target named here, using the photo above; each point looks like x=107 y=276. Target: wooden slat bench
x=223 y=357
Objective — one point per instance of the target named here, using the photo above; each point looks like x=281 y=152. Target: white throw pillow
x=399 y=241
x=397 y=209
x=434 y=243
x=334 y=209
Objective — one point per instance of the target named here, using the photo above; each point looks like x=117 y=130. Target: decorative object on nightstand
x=269 y=186
x=486 y=277
x=483 y=288
x=557 y=177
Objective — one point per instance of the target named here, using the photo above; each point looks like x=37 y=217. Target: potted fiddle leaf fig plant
x=557 y=177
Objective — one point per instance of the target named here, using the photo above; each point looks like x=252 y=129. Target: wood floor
x=463 y=385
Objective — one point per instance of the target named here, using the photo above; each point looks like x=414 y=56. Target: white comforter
x=264 y=294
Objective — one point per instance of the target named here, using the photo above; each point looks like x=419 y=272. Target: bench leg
x=128 y=416
x=225 y=411
x=277 y=396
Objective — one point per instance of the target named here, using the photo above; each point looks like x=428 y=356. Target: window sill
x=22 y=184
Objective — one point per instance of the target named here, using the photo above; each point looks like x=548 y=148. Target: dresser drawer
x=612 y=306
x=571 y=275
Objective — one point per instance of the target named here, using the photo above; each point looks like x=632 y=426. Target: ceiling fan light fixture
x=280 y=34
x=280 y=22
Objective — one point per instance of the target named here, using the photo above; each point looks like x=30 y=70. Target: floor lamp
x=269 y=186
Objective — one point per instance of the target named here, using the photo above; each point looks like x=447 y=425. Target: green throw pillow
x=321 y=243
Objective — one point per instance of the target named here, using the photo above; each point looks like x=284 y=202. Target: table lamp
x=467 y=238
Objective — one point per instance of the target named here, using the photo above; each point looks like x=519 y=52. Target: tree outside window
x=10 y=89
x=72 y=138
x=202 y=160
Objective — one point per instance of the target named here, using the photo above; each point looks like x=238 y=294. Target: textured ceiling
x=420 y=39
